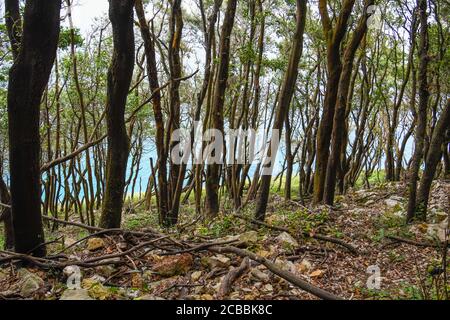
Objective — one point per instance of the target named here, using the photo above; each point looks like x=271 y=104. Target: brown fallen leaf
x=317 y=274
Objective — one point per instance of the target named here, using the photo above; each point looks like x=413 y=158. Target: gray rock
x=392 y=202
x=262 y=276
x=78 y=294
x=286 y=240
x=150 y=297
x=29 y=283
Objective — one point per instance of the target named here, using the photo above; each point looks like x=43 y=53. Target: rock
x=268 y=287
x=259 y=275
x=150 y=297
x=70 y=270
x=400 y=214
x=78 y=295
x=106 y=271
x=440 y=217
x=392 y=202
x=129 y=293
x=304 y=266
x=217 y=261
x=246 y=238
x=174 y=265
x=437 y=231
x=285 y=265
x=195 y=276
x=95 y=244
x=249 y=237
x=29 y=283
x=286 y=240
x=369 y=203
x=95 y=288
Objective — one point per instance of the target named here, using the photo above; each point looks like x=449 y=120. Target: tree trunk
x=341 y=106
x=119 y=79
x=27 y=81
x=422 y=113
x=13 y=25
x=152 y=72
x=285 y=98
x=177 y=172
x=433 y=157
x=5 y=216
x=213 y=170
x=334 y=38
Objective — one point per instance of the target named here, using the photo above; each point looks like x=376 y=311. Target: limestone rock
x=78 y=295
x=217 y=261
x=246 y=238
x=150 y=297
x=286 y=240
x=195 y=276
x=437 y=231
x=258 y=274
x=392 y=202
x=29 y=283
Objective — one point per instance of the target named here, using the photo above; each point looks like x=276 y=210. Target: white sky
x=85 y=11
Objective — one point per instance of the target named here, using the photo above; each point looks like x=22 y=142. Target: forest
x=225 y=150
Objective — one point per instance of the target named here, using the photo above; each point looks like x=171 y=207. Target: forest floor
x=129 y=266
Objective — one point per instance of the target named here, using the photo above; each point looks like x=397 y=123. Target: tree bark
x=339 y=121
x=27 y=81
x=152 y=73
x=5 y=216
x=433 y=157
x=213 y=170
x=119 y=79
x=422 y=113
x=13 y=25
x=334 y=38
x=285 y=98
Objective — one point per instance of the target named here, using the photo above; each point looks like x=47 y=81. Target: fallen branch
x=288 y=276
x=416 y=243
x=231 y=277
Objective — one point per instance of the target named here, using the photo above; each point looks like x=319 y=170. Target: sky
x=85 y=11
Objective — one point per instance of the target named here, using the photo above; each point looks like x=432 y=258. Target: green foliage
x=65 y=38
x=302 y=220
x=219 y=227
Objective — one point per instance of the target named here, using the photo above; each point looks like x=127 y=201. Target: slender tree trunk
x=5 y=216
x=339 y=124
x=422 y=113
x=289 y=159
x=432 y=160
x=285 y=98
x=27 y=81
x=119 y=79
x=152 y=71
x=334 y=38
x=177 y=172
x=213 y=170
